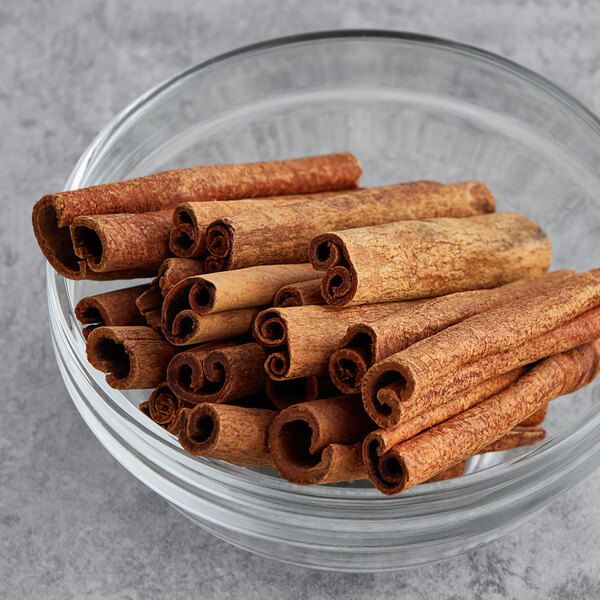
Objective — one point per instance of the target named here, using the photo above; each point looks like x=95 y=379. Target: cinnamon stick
x=132 y=357
x=286 y=231
x=421 y=259
x=454 y=471
x=117 y=307
x=368 y=343
x=55 y=212
x=536 y=418
x=218 y=374
x=190 y=219
x=122 y=241
x=305 y=336
x=232 y=433
x=448 y=443
x=285 y=392
x=174 y=270
x=164 y=407
x=149 y=305
x=320 y=441
x=302 y=293
x=488 y=344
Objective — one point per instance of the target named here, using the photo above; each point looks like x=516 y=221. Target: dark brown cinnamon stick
x=132 y=357
x=320 y=441
x=110 y=308
x=368 y=343
x=285 y=392
x=488 y=344
x=286 y=231
x=232 y=433
x=218 y=374
x=164 y=407
x=299 y=294
x=305 y=336
x=54 y=213
x=421 y=259
x=418 y=459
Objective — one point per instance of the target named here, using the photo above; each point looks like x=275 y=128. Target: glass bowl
x=411 y=107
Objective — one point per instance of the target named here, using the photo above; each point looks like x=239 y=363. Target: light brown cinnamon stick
x=286 y=231
x=320 y=441
x=488 y=344
x=307 y=335
x=132 y=357
x=117 y=307
x=421 y=259
x=448 y=443
x=232 y=433
x=285 y=392
x=55 y=212
x=219 y=374
x=190 y=219
x=122 y=241
x=299 y=294
x=368 y=343
x=536 y=418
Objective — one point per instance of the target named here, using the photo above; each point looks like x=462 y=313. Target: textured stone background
x=75 y=524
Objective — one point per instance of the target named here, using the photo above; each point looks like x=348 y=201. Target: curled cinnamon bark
x=235 y=434
x=110 y=308
x=488 y=344
x=190 y=219
x=174 y=270
x=368 y=343
x=132 y=357
x=164 y=407
x=286 y=231
x=536 y=418
x=285 y=392
x=320 y=441
x=307 y=335
x=55 y=212
x=299 y=294
x=122 y=241
x=421 y=457
x=421 y=259
x=218 y=373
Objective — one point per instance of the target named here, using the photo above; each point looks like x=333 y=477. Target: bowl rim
x=521 y=468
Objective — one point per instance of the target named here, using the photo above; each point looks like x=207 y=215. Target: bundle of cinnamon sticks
x=332 y=332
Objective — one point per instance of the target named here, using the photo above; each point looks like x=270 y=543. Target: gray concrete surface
x=75 y=524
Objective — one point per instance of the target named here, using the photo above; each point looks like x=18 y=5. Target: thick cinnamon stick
x=320 y=441
x=299 y=294
x=285 y=392
x=122 y=241
x=132 y=357
x=286 y=231
x=421 y=259
x=488 y=344
x=232 y=433
x=110 y=308
x=448 y=443
x=222 y=373
x=55 y=212
x=307 y=335
x=244 y=288
x=190 y=219
x=368 y=343
x=164 y=407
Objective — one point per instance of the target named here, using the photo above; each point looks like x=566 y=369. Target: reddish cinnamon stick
x=448 y=443
x=232 y=433
x=283 y=393
x=536 y=418
x=320 y=441
x=132 y=357
x=307 y=335
x=299 y=294
x=286 y=231
x=218 y=374
x=117 y=307
x=421 y=259
x=174 y=270
x=500 y=340
x=368 y=343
